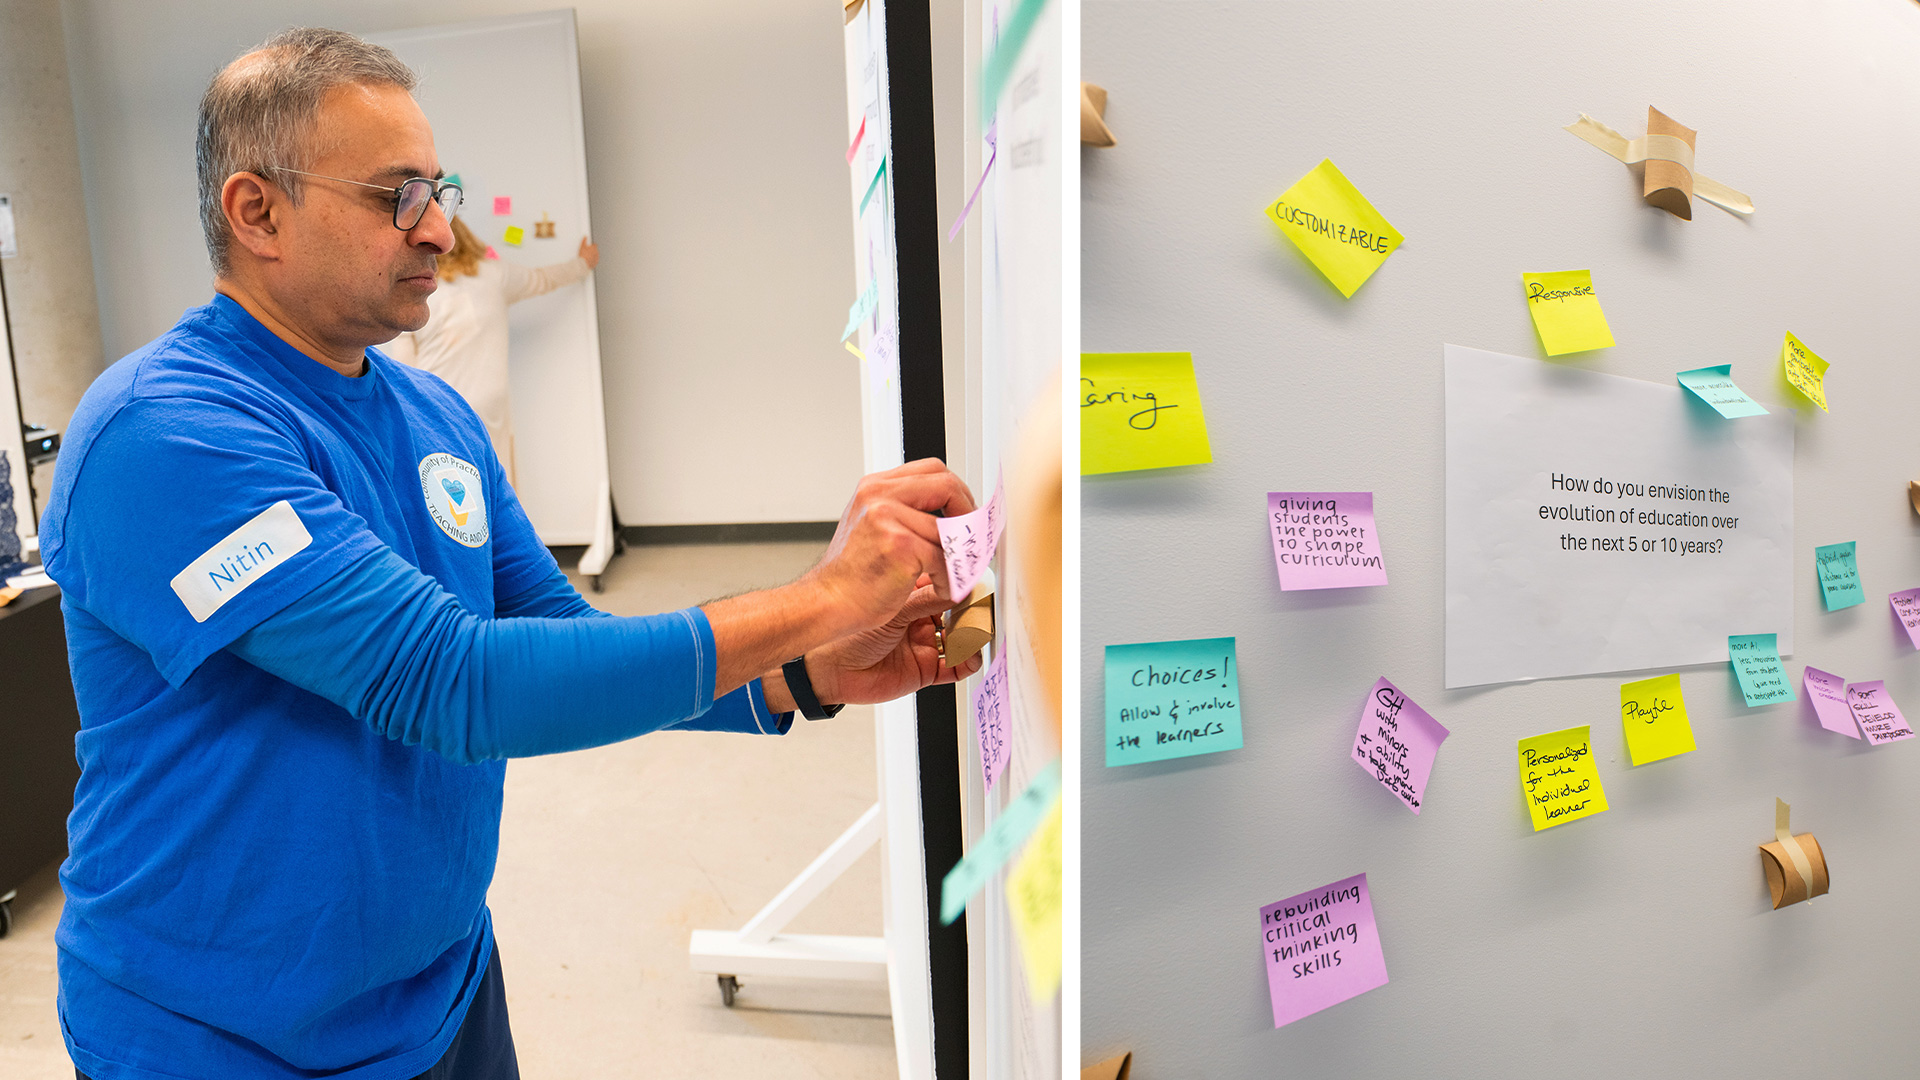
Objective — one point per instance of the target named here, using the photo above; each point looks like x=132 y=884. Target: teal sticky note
x=1171 y=699
x=1005 y=836
x=1714 y=385
x=1839 y=576
x=454 y=178
x=862 y=307
x=1756 y=663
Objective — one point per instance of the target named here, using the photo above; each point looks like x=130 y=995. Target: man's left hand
x=888 y=661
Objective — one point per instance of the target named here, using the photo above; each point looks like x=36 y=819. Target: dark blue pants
x=483 y=1048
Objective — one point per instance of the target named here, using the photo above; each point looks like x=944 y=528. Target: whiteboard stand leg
x=760 y=948
x=594 y=560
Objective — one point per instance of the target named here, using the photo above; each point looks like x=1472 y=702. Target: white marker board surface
x=1638 y=942
x=503 y=96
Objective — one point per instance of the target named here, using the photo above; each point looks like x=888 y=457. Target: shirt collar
x=275 y=352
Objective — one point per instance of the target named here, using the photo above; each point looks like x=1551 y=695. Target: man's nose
x=432 y=230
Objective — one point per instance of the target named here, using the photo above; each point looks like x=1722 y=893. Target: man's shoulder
x=190 y=363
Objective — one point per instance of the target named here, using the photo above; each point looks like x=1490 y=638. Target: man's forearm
x=757 y=632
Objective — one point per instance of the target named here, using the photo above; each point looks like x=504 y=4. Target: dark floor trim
x=737 y=533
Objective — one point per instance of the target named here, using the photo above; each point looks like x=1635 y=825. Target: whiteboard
x=503 y=96
x=1634 y=943
x=11 y=435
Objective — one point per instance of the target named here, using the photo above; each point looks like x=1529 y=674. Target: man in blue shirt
x=308 y=620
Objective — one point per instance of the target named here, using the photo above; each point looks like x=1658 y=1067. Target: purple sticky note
x=1906 y=608
x=968 y=541
x=502 y=205
x=1321 y=948
x=1829 y=696
x=1396 y=743
x=990 y=719
x=1324 y=539
x=1879 y=718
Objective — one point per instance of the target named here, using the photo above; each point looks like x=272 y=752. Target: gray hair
x=259 y=114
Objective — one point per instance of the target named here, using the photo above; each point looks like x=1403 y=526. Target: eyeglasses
x=410 y=199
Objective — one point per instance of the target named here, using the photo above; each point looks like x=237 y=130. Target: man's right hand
x=887 y=538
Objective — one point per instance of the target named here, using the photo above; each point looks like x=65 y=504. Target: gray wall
x=719 y=195
x=1635 y=943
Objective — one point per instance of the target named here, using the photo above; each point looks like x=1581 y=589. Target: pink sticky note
x=968 y=541
x=857 y=136
x=1396 y=743
x=1324 y=539
x=990 y=719
x=1906 y=608
x=1829 y=696
x=1879 y=718
x=492 y=254
x=1321 y=948
x=502 y=205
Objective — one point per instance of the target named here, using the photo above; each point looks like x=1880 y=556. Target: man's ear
x=253 y=208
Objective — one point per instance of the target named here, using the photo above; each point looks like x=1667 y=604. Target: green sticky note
x=1756 y=663
x=1171 y=699
x=1839 y=576
x=1140 y=411
x=1004 y=837
x=1807 y=372
x=454 y=178
x=1335 y=227
x=873 y=185
x=1654 y=716
x=514 y=235
x=862 y=307
x=1714 y=385
x=1565 y=312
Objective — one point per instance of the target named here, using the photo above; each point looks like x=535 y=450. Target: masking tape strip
x=1659 y=148
x=1791 y=845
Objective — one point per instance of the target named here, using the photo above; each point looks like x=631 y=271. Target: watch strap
x=801 y=687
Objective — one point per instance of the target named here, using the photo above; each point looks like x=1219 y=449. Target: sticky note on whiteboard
x=1828 y=693
x=1397 y=742
x=1715 y=386
x=1653 y=715
x=1033 y=899
x=1335 y=227
x=514 y=235
x=1171 y=699
x=502 y=205
x=1324 y=539
x=1839 y=575
x=1873 y=709
x=1806 y=372
x=1566 y=313
x=1140 y=411
x=1321 y=948
x=1756 y=664
x=1558 y=778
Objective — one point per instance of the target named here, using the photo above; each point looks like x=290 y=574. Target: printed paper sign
x=1397 y=742
x=1033 y=898
x=1005 y=836
x=1558 y=777
x=1714 y=385
x=1879 y=718
x=1906 y=608
x=1839 y=575
x=1654 y=716
x=1807 y=372
x=1325 y=539
x=1756 y=664
x=1140 y=411
x=968 y=542
x=1596 y=523
x=990 y=708
x=1829 y=696
x=1321 y=947
x=1335 y=227
x=1171 y=699
x=1565 y=312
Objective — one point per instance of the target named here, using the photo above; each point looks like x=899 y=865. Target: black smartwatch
x=801 y=688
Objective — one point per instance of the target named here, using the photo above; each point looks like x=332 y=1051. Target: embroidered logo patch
x=241 y=558
x=454 y=498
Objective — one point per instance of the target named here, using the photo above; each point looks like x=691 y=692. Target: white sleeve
x=525 y=282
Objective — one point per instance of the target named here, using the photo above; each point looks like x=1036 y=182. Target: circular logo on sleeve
x=454 y=498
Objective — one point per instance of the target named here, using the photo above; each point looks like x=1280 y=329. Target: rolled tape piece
x=1114 y=1068
x=1796 y=867
x=1093 y=116
x=1913 y=494
x=968 y=628
x=1666 y=154
x=853 y=7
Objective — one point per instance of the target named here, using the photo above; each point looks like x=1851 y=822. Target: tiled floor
x=609 y=859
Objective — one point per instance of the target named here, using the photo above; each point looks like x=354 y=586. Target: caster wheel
x=595 y=582
x=729 y=986
x=6 y=917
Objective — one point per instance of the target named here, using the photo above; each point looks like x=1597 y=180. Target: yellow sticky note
x=1558 y=777
x=1033 y=895
x=1565 y=311
x=1807 y=372
x=1335 y=226
x=1655 y=718
x=1140 y=411
x=515 y=234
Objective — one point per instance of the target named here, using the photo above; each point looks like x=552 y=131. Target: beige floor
x=609 y=859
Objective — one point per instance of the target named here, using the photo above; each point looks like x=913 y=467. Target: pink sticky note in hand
x=968 y=542
x=502 y=205
x=1906 y=608
x=1397 y=742
x=1879 y=718
x=990 y=719
x=1321 y=948
x=1324 y=539
x=1829 y=696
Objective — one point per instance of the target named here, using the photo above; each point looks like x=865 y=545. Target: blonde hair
x=465 y=257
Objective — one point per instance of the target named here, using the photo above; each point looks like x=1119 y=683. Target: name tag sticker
x=239 y=559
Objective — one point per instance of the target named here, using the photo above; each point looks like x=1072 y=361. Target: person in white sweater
x=465 y=339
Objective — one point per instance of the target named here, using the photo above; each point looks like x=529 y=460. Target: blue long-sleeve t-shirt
x=307 y=621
